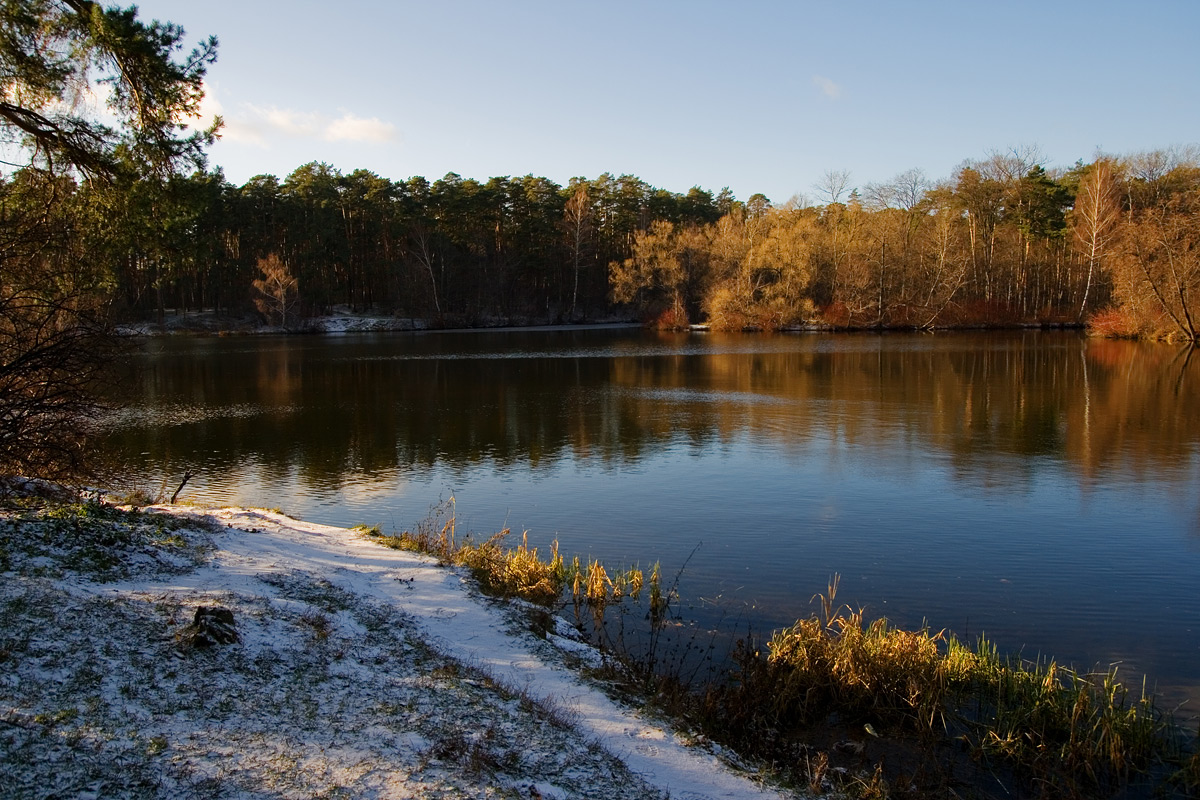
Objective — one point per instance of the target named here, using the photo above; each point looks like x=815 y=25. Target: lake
x=1039 y=487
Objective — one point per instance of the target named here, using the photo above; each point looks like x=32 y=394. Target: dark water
x=1040 y=487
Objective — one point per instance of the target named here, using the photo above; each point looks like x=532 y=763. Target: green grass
x=89 y=538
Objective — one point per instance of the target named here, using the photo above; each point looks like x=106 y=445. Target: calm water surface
x=1039 y=487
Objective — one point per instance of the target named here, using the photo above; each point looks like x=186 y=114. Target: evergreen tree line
x=1003 y=241
x=455 y=250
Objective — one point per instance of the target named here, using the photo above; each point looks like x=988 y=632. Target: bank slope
x=358 y=671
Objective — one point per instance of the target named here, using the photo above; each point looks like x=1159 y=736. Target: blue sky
x=760 y=97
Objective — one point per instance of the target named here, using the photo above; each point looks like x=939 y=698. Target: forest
x=1111 y=243
x=120 y=219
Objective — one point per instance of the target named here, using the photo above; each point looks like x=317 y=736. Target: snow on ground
x=360 y=671
x=207 y=322
x=342 y=320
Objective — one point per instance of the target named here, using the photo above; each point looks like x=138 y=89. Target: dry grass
x=516 y=571
x=1187 y=777
x=1065 y=733
x=1083 y=731
x=319 y=623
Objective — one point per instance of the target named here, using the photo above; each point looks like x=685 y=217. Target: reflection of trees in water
x=1137 y=408
x=993 y=405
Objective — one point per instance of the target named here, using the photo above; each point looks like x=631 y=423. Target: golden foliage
x=1080 y=732
x=1156 y=275
x=760 y=276
x=277 y=297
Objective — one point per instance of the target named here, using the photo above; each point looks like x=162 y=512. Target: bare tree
x=1011 y=165
x=1157 y=273
x=905 y=191
x=910 y=187
x=1151 y=173
x=1153 y=165
x=656 y=277
x=423 y=251
x=53 y=338
x=832 y=185
x=47 y=370
x=878 y=196
x=946 y=262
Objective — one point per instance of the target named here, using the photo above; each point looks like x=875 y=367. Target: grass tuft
x=515 y=572
x=507 y=572
x=319 y=623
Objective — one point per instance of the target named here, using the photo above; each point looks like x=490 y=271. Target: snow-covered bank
x=359 y=671
x=199 y=322
x=343 y=320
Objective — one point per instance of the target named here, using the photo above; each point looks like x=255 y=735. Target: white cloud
x=89 y=100
x=235 y=129
x=827 y=87
x=95 y=98
x=288 y=122
x=349 y=128
x=260 y=125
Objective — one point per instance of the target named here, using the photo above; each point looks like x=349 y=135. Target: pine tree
x=56 y=58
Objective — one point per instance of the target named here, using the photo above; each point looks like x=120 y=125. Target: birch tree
x=1094 y=222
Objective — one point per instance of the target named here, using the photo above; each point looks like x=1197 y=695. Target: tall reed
x=1071 y=734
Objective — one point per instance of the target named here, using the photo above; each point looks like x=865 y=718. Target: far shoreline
x=204 y=324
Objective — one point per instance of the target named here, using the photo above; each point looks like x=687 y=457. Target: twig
x=187 y=476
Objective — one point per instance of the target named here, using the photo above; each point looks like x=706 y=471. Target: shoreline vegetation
x=933 y=708
x=344 y=320
x=112 y=220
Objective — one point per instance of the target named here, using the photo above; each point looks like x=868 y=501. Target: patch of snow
x=359 y=670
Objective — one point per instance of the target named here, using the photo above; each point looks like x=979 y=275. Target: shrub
x=1113 y=323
